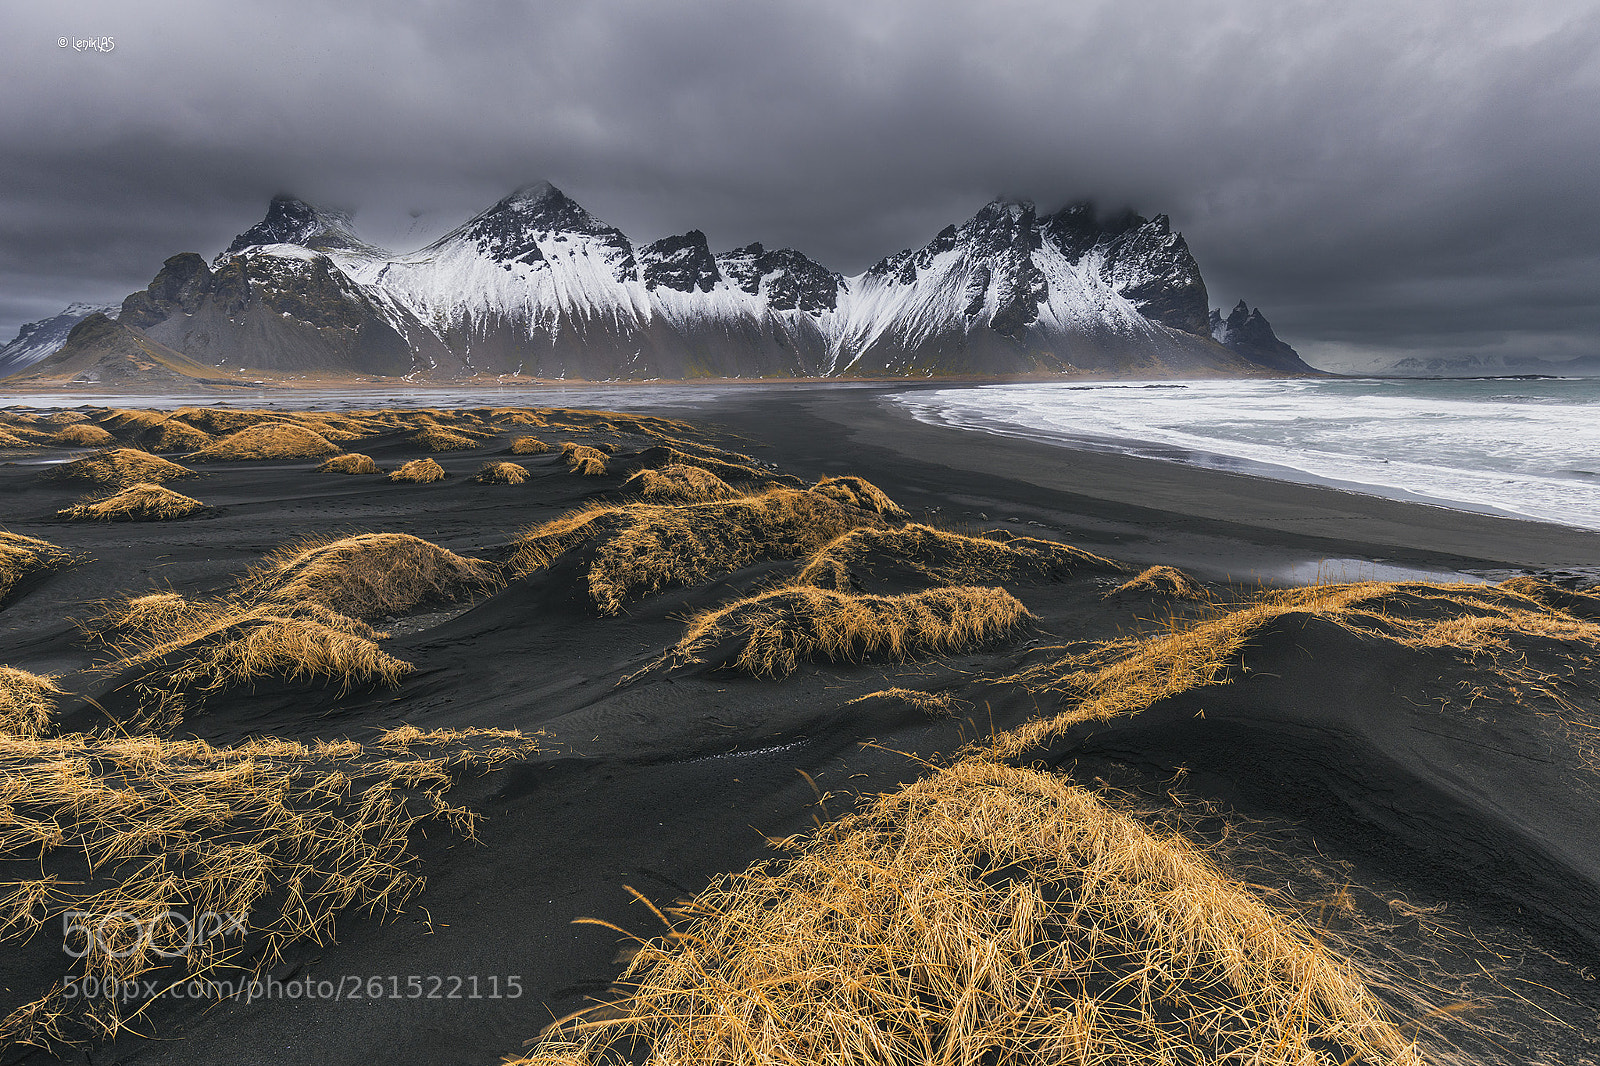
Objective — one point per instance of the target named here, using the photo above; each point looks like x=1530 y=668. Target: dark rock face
x=1249 y=333
x=681 y=263
x=1144 y=260
x=293 y=221
x=181 y=282
x=790 y=281
x=510 y=231
x=1005 y=236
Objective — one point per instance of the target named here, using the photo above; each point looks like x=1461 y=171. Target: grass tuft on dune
x=1482 y=624
x=118 y=466
x=22 y=558
x=437 y=438
x=584 y=460
x=637 y=549
x=685 y=454
x=772 y=633
x=172 y=435
x=79 y=435
x=266 y=440
x=369 y=575
x=499 y=473
x=283 y=835
x=984 y=915
x=349 y=463
x=27 y=702
x=677 y=484
x=143 y=502
x=529 y=446
x=1163 y=581
x=937 y=556
x=419 y=471
x=860 y=492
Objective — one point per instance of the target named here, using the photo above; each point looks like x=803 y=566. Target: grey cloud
x=1379 y=178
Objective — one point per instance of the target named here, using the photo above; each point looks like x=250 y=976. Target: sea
x=1517 y=447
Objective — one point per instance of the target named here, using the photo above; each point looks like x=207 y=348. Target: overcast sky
x=1381 y=179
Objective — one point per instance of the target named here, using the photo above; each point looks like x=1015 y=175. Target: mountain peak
x=290 y=220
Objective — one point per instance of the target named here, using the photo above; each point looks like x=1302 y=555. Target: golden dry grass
x=118 y=466
x=498 y=473
x=130 y=423
x=172 y=435
x=79 y=435
x=861 y=493
x=420 y=471
x=439 y=439
x=685 y=454
x=940 y=557
x=986 y=915
x=11 y=440
x=1163 y=581
x=1118 y=678
x=772 y=633
x=24 y=557
x=27 y=702
x=677 y=484
x=176 y=655
x=369 y=575
x=528 y=446
x=142 y=502
x=638 y=549
x=933 y=704
x=266 y=440
x=282 y=834
x=584 y=460
x=349 y=463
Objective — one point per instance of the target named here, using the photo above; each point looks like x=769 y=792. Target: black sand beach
x=1333 y=756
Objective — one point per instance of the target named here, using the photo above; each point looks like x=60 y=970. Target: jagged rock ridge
x=537 y=286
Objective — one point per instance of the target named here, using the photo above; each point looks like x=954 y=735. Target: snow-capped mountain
x=36 y=340
x=537 y=286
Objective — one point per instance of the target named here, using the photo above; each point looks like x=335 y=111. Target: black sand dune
x=1357 y=754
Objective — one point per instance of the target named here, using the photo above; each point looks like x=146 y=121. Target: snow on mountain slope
x=535 y=285
x=37 y=340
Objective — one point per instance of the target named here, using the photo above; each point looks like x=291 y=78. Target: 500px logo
x=169 y=934
x=87 y=44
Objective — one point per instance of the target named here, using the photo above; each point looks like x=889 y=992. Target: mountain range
x=537 y=287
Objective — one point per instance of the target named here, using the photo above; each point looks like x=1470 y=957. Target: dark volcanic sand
x=666 y=783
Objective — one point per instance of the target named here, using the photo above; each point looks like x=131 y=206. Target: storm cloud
x=1382 y=180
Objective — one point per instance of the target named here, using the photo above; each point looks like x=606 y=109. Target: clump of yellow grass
x=986 y=914
x=638 y=549
x=584 y=460
x=178 y=655
x=131 y=423
x=266 y=440
x=27 y=702
x=24 y=557
x=677 y=484
x=349 y=463
x=528 y=446
x=1578 y=604
x=11 y=440
x=493 y=473
x=172 y=435
x=369 y=575
x=437 y=438
x=284 y=836
x=772 y=633
x=1163 y=581
x=79 y=435
x=1123 y=677
x=940 y=557
x=933 y=704
x=685 y=455
x=118 y=466
x=860 y=492
x=142 y=502
x=421 y=471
